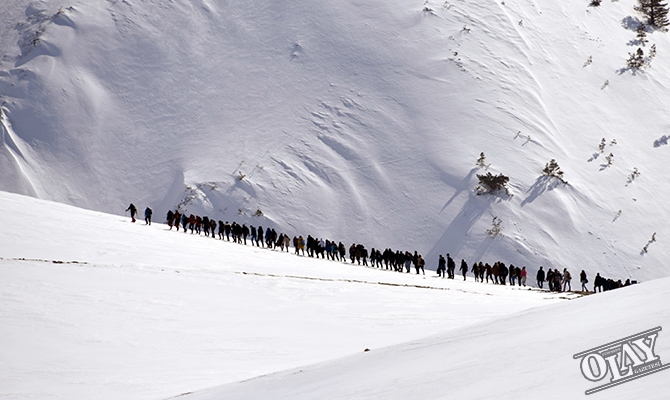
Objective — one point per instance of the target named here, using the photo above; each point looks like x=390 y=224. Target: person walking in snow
x=583 y=279
x=503 y=273
x=260 y=239
x=540 y=277
x=184 y=222
x=495 y=270
x=222 y=229
x=463 y=268
x=170 y=218
x=420 y=263
x=133 y=211
x=451 y=266
x=524 y=274
x=489 y=272
x=566 y=279
x=177 y=219
x=442 y=267
x=598 y=283
x=147 y=215
x=245 y=233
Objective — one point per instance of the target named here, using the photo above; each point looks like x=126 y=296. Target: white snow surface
x=93 y=306
x=359 y=121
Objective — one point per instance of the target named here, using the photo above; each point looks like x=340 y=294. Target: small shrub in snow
x=636 y=60
x=481 y=161
x=258 y=213
x=645 y=249
x=601 y=146
x=634 y=174
x=496 y=227
x=609 y=159
x=642 y=34
x=240 y=177
x=552 y=169
x=595 y=3
x=490 y=183
x=519 y=134
x=652 y=52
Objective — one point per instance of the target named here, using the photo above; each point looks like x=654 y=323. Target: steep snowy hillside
x=355 y=120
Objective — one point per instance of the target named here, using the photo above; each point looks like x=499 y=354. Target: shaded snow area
x=358 y=121
x=94 y=306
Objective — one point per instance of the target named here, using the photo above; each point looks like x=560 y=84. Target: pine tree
x=656 y=12
x=642 y=35
x=635 y=61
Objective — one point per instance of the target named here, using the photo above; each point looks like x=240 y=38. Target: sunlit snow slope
x=360 y=121
x=524 y=356
x=95 y=307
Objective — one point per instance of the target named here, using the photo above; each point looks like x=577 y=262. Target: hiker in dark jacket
x=259 y=239
x=133 y=211
x=489 y=273
x=584 y=281
x=170 y=218
x=540 y=277
x=245 y=233
x=228 y=230
x=597 y=283
x=184 y=222
x=205 y=224
x=451 y=267
x=442 y=267
x=503 y=273
x=147 y=215
x=222 y=229
x=557 y=279
x=212 y=227
x=420 y=264
x=177 y=219
x=463 y=268
x=550 y=279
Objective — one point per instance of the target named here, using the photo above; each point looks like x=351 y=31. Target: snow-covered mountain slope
x=95 y=307
x=523 y=356
x=357 y=121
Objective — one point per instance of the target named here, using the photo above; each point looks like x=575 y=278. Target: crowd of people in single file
x=388 y=259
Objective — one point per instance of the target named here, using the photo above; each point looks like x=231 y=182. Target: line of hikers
x=399 y=261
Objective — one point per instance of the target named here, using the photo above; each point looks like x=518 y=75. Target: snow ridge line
x=575 y=295
x=41 y=260
x=374 y=283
